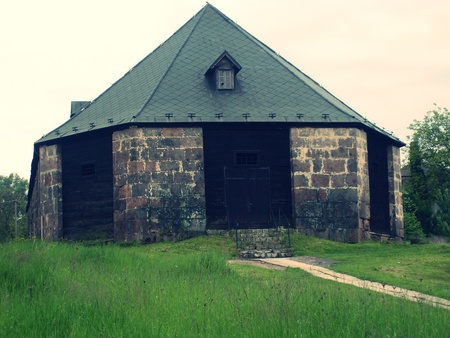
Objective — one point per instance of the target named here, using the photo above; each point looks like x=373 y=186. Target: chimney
x=77 y=106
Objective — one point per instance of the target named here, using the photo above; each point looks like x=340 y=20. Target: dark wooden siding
x=220 y=148
x=87 y=187
x=379 y=185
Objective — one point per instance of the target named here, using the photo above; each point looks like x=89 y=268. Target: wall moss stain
x=330 y=195
x=164 y=175
x=46 y=219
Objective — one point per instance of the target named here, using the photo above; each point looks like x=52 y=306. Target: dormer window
x=225 y=79
x=223 y=72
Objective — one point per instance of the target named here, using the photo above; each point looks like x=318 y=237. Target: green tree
x=433 y=140
x=427 y=188
x=417 y=199
x=13 y=194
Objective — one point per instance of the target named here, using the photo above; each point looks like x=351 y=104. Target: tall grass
x=66 y=290
x=424 y=268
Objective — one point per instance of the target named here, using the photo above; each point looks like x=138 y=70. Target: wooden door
x=247 y=196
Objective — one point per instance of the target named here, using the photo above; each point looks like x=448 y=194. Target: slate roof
x=169 y=85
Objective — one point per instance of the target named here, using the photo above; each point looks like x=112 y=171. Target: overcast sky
x=387 y=59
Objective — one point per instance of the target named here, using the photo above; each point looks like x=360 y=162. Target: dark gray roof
x=170 y=85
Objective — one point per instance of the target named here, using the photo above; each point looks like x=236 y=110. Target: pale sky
x=387 y=59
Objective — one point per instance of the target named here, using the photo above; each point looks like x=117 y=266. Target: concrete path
x=347 y=279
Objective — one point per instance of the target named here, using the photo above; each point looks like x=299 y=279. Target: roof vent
x=77 y=107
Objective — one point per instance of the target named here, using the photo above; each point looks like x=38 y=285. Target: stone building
x=211 y=131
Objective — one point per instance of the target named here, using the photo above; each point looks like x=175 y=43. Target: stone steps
x=261 y=243
x=273 y=253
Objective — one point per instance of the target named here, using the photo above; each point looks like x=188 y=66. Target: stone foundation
x=258 y=243
x=45 y=215
x=397 y=229
x=330 y=183
x=158 y=183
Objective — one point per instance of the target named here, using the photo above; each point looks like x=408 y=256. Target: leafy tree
x=417 y=199
x=413 y=226
x=433 y=140
x=13 y=188
x=427 y=189
x=442 y=223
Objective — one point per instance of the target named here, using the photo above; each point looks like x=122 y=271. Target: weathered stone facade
x=159 y=189
x=395 y=193
x=45 y=219
x=330 y=183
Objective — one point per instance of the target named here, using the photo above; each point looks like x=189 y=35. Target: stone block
x=322 y=195
x=194 y=154
x=136 y=202
x=169 y=165
x=138 y=190
x=301 y=143
x=317 y=165
x=301 y=181
x=120 y=204
x=320 y=180
x=334 y=166
x=340 y=131
x=136 y=167
x=346 y=142
x=351 y=180
x=343 y=195
x=172 y=132
x=301 y=165
x=123 y=192
x=352 y=165
x=340 y=152
x=324 y=142
x=338 y=181
x=304 y=194
x=310 y=210
x=169 y=142
x=318 y=153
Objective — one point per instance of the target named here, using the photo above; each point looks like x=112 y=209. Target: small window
x=247 y=158
x=225 y=79
x=88 y=169
x=221 y=74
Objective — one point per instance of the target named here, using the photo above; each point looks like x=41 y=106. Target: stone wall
x=45 y=209
x=330 y=183
x=397 y=229
x=159 y=190
x=258 y=243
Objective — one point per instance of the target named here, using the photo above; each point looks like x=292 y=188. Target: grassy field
x=186 y=289
x=424 y=268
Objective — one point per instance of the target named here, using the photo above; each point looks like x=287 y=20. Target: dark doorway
x=87 y=187
x=379 y=184
x=255 y=157
x=247 y=196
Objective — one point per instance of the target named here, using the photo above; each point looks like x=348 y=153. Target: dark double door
x=247 y=196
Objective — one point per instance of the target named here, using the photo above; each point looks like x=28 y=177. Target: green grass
x=424 y=268
x=186 y=289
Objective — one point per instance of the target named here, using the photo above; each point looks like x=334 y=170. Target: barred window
x=246 y=158
x=88 y=169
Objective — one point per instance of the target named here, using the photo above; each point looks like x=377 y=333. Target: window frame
x=246 y=158
x=88 y=169
x=224 y=79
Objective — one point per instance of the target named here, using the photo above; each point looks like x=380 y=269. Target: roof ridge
x=199 y=14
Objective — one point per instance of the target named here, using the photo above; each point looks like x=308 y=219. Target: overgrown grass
x=187 y=290
x=424 y=268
